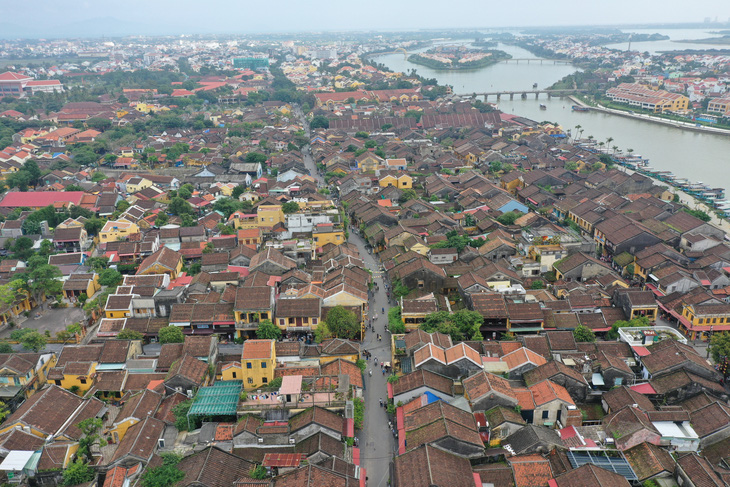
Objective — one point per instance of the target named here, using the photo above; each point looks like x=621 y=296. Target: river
x=692 y=155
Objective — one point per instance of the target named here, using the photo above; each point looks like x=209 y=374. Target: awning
x=653 y=289
x=597 y=379
x=644 y=388
x=16 y=460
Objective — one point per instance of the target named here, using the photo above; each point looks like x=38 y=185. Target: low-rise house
x=115 y=230
x=444 y=426
x=580 y=267
x=164 y=261
x=427 y=466
x=485 y=391
x=629 y=427
x=22 y=375
x=74 y=239
x=298 y=315
x=418 y=383
x=187 y=374
x=258 y=362
x=561 y=374
x=650 y=462
x=503 y=422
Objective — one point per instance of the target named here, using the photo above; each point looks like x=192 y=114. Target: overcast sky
x=244 y=16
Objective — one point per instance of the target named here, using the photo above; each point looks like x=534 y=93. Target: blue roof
x=430 y=397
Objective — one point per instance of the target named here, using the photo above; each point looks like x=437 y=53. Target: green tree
x=161 y=219
x=537 y=284
x=110 y=277
x=256 y=157
x=343 y=323
x=181 y=414
x=93 y=225
x=163 y=475
x=98 y=176
x=395 y=320
x=238 y=191
x=184 y=193
x=319 y=122
x=33 y=341
x=171 y=334
x=258 y=472
x=584 y=334
x=508 y=218
x=77 y=473
x=90 y=428
x=407 y=195
x=290 y=207
x=641 y=321
x=322 y=332
x=571 y=166
x=5 y=347
x=42 y=279
x=268 y=331
x=22 y=248
x=179 y=206
x=130 y=335
x=100 y=124
x=719 y=346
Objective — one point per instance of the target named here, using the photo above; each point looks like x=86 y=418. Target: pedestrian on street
x=381 y=402
x=371 y=372
x=383 y=370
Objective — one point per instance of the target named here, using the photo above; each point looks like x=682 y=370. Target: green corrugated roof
x=220 y=399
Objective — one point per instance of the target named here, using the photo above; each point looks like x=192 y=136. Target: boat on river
x=578 y=108
x=543 y=107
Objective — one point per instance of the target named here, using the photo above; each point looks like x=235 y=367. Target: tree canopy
x=343 y=323
x=584 y=334
x=171 y=334
x=462 y=325
x=268 y=331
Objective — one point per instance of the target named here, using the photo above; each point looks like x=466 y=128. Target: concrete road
x=376 y=440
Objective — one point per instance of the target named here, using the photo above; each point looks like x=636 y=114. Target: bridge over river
x=522 y=93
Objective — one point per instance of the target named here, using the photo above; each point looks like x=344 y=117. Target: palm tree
x=577 y=130
x=629 y=150
x=608 y=141
x=615 y=148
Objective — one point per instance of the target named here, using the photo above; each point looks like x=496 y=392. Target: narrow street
x=376 y=439
x=306 y=152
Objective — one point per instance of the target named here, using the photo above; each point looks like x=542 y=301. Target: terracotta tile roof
x=317 y=415
x=422 y=378
x=590 y=475
x=47 y=410
x=699 y=470
x=140 y=441
x=212 y=467
x=522 y=356
x=429 y=352
x=711 y=418
x=530 y=470
x=190 y=368
x=622 y=396
x=257 y=349
x=547 y=391
x=427 y=466
x=482 y=383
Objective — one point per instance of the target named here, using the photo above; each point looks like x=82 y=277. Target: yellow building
x=231 y=371
x=164 y=261
x=74 y=375
x=244 y=221
x=118 y=306
x=269 y=215
x=137 y=184
x=115 y=230
x=136 y=408
x=700 y=321
x=258 y=362
x=78 y=284
x=8 y=312
x=326 y=233
x=27 y=371
x=402 y=181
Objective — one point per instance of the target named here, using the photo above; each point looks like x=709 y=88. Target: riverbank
x=690 y=126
